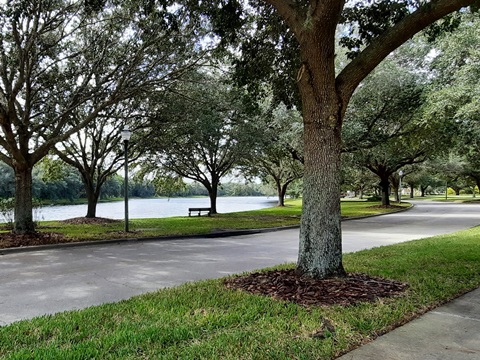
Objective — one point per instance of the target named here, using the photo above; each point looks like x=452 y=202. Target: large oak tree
x=307 y=29
x=199 y=130
x=57 y=56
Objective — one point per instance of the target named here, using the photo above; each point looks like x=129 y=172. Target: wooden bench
x=199 y=210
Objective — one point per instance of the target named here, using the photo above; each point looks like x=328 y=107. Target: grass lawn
x=450 y=198
x=203 y=320
x=257 y=219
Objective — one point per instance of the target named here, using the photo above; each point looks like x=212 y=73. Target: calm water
x=156 y=208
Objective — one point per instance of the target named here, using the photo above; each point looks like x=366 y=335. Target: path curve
x=50 y=281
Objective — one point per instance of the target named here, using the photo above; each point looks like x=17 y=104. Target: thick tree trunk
x=23 y=200
x=92 y=193
x=323 y=108
x=92 y=198
x=320 y=252
x=360 y=194
x=385 y=187
x=422 y=190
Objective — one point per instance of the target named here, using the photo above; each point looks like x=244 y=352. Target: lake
x=155 y=208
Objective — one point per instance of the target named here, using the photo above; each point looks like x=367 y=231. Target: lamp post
x=400 y=174
x=126 y=133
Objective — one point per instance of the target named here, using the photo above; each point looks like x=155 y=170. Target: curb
x=216 y=234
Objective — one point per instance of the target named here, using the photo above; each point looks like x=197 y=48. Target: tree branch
x=391 y=39
x=289 y=12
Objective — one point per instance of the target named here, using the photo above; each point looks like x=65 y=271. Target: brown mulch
x=288 y=285
x=10 y=240
x=84 y=220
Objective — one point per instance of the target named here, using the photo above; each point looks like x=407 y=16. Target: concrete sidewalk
x=449 y=332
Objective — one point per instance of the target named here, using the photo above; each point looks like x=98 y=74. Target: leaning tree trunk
x=281 y=191
x=23 y=200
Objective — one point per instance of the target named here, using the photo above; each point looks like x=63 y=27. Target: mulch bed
x=84 y=220
x=288 y=285
x=10 y=240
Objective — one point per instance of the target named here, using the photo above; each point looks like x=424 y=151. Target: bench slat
x=200 y=210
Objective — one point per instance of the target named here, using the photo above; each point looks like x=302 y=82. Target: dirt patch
x=95 y=220
x=287 y=285
x=9 y=239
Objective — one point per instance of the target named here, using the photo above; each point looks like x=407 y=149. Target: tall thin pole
x=400 y=190
x=125 y=143
x=400 y=174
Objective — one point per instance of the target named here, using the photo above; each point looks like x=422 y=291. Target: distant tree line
x=69 y=188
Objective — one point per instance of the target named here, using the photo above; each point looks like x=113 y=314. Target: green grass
x=195 y=225
x=451 y=198
x=203 y=320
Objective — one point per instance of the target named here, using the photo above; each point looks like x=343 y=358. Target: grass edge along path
x=195 y=225
x=203 y=320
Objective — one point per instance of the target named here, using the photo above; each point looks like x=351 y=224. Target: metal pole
x=125 y=143
x=400 y=174
x=400 y=190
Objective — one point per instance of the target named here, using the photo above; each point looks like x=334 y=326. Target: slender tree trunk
x=284 y=192
x=360 y=195
x=23 y=200
x=385 y=187
x=280 y=192
x=212 y=193
x=412 y=190
x=396 y=191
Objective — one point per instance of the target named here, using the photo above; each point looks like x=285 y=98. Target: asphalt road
x=50 y=281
